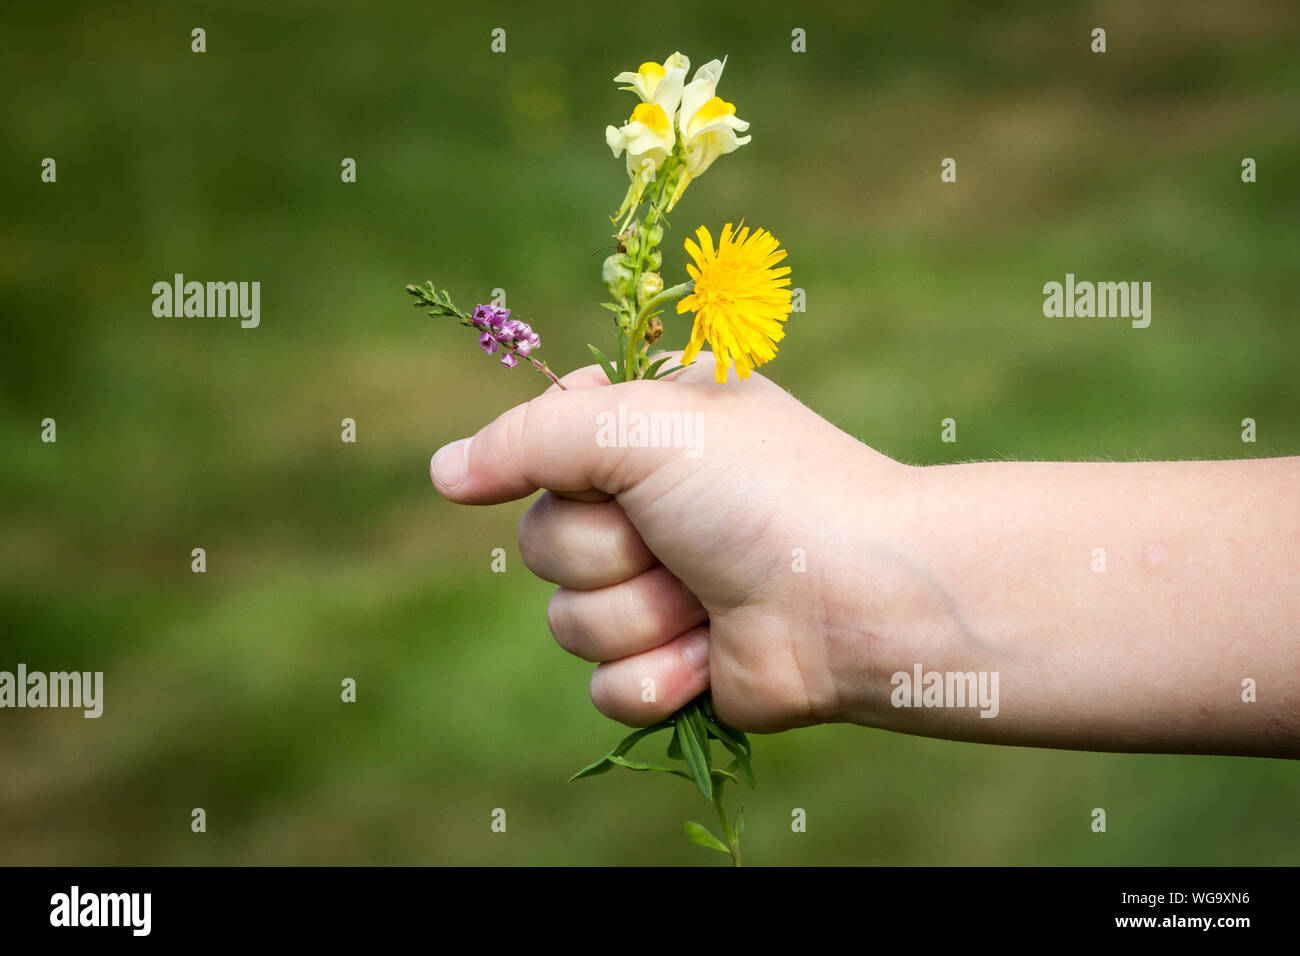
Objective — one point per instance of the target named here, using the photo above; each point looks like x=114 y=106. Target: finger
x=620 y=621
x=581 y=545
x=593 y=376
x=552 y=442
x=451 y=458
x=673 y=675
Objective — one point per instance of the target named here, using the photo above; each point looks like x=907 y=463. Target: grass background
x=481 y=170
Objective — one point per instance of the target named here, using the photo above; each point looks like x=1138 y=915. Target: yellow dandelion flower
x=740 y=298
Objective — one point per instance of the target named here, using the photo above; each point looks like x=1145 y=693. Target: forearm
x=1121 y=605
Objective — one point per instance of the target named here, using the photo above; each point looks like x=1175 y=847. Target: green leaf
x=700 y=835
x=637 y=765
x=605 y=764
x=693 y=751
x=735 y=741
x=701 y=728
x=727 y=774
x=655 y=366
x=653 y=371
x=738 y=745
x=741 y=763
x=605 y=364
x=675 y=747
x=726 y=733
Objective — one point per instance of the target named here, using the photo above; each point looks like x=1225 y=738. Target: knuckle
x=557 y=619
x=532 y=535
x=601 y=697
x=567 y=626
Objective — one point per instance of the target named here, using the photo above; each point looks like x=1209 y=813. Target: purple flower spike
x=502 y=333
x=527 y=340
x=512 y=330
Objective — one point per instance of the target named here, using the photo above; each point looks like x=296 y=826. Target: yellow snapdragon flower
x=658 y=83
x=647 y=139
x=708 y=125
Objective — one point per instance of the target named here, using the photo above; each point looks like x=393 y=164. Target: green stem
x=631 y=364
x=540 y=366
x=733 y=842
x=642 y=320
x=667 y=295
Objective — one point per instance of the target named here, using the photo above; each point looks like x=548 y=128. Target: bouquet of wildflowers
x=739 y=296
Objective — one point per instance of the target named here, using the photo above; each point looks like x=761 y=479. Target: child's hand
x=804 y=577
x=715 y=563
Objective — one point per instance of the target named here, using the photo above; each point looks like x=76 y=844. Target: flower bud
x=617 y=276
x=654 y=329
x=654 y=260
x=632 y=244
x=655 y=234
x=649 y=286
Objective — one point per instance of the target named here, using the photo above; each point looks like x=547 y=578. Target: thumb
x=554 y=442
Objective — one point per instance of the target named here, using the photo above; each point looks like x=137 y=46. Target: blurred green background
x=329 y=560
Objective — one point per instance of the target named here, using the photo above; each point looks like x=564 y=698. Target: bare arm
x=1125 y=606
